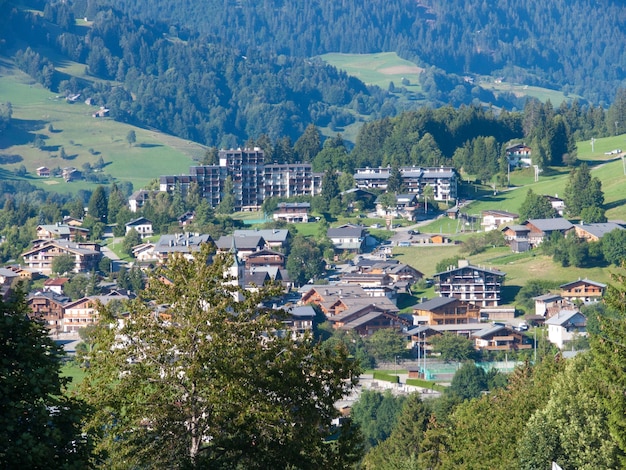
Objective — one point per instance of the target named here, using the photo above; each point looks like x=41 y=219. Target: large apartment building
x=253 y=180
x=443 y=180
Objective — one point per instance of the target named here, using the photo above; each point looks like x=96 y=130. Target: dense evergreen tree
x=535 y=206
x=582 y=191
x=98 y=205
x=309 y=144
x=376 y=414
x=40 y=427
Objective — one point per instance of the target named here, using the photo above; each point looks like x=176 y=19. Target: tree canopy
x=535 y=206
x=583 y=192
x=208 y=381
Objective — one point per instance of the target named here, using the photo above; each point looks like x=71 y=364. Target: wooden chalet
x=447 y=311
x=367 y=318
x=501 y=338
x=583 y=290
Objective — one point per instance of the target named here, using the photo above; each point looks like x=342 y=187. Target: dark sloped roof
x=550 y=225
x=434 y=303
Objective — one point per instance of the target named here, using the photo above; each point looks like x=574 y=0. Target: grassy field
x=381 y=68
x=77 y=373
x=378 y=69
x=85 y=139
x=521 y=90
x=519 y=268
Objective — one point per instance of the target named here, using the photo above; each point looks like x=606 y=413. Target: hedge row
x=378 y=375
x=425 y=384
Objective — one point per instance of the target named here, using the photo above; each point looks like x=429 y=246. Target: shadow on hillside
x=614 y=204
x=6 y=159
x=509 y=293
x=143 y=145
x=20 y=132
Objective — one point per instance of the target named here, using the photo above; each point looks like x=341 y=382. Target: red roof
x=59 y=281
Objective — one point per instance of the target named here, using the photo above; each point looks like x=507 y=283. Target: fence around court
x=440 y=371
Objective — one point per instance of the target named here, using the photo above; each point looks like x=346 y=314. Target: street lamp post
x=396 y=369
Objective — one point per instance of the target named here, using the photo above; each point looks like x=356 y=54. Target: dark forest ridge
x=574 y=46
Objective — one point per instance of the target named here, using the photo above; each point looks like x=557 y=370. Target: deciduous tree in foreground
x=206 y=381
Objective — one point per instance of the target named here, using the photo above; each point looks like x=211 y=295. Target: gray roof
x=58 y=298
x=600 y=229
x=490 y=330
x=517 y=228
x=138 y=221
x=301 y=311
x=586 y=281
x=550 y=225
x=435 y=302
x=269 y=235
x=567 y=318
x=58 y=228
x=363 y=319
x=344 y=231
x=294 y=205
x=500 y=213
x=474 y=268
x=248 y=242
x=547 y=297
x=182 y=243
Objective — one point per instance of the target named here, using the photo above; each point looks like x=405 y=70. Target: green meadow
x=381 y=68
x=83 y=138
x=377 y=69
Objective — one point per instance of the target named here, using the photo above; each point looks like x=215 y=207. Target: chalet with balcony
x=447 y=311
x=48 y=307
x=300 y=319
x=519 y=155
x=265 y=257
x=276 y=239
x=62 y=232
x=501 y=338
x=365 y=319
x=292 y=212
x=479 y=286
x=245 y=245
x=347 y=237
x=334 y=299
x=43 y=172
x=595 y=232
x=184 y=243
x=540 y=229
x=142 y=226
x=84 y=312
x=406 y=206
x=40 y=257
x=583 y=290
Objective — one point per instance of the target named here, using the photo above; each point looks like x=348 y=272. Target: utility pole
x=535 y=345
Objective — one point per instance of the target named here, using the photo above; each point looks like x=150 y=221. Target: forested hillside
x=574 y=45
x=221 y=74
x=203 y=91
